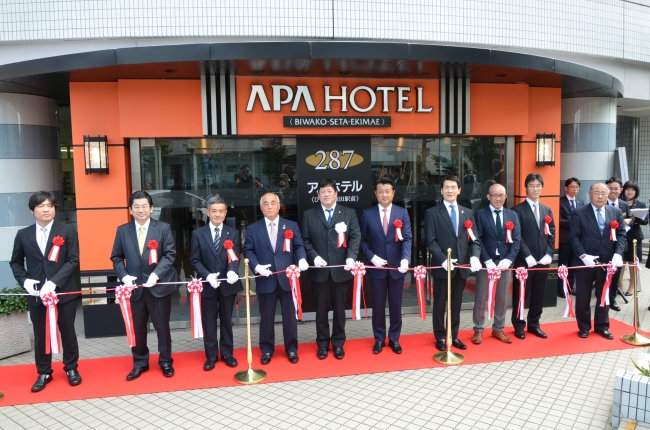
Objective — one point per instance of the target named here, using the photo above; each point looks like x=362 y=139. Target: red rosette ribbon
x=522 y=274
x=398 y=230
x=547 y=223
x=57 y=243
x=52 y=338
x=153 y=251
x=509 y=227
x=470 y=234
x=228 y=245
x=194 y=288
x=493 y=276
x=123 y=296
x=358 y=270
x=288 y=235
x=612 y=230
x=420 y=273
x=604 y=298
x=563 y=274
x=293 y=273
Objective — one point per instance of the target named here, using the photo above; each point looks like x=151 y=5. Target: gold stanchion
x=250 y=376
x=448 y=357
x=2 y=396
x=635 y=338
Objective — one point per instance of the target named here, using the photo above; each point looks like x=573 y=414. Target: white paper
x=639 y=213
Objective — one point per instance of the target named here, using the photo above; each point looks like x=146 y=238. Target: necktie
x=141 y=237
x=536 y=210
x=217 y=239
x=613 y=204
x=499 y=227
x=385 y=222
x=273 y=235
x=601 y=221
x=454 y=223
x=329 y=216
x=42 y=240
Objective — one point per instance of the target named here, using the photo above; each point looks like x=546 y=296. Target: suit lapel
x=531 y=214
x=378 y=217
x=391 y=220
x=445 y=215
x=321 y=215
x=592 y=218
x=32 y=237
x=225 y=235
x=151 y=232
x=53 y=232
x=265 y=233
x=207 y=235
x=279 y=241
x=491 y=221
x=335 y=215
x=131 y=232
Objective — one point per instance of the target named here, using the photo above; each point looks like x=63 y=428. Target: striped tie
x=217 y=238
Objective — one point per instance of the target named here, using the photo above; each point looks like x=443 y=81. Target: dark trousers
x=330 y=295
x=159 y=310
x=390 y=288
x=440 y=305
x=217 y=307
x=67 y=312
x=613 y=289
x=565 y=256
x=535 y=288
x=586 y=279
x=267 y=304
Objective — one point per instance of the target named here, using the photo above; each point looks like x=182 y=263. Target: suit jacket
x=27 y=262
x=533 y=240
x=635 y=232
x=565 y=217
x=440 y=236
x=258 y=250
x=205 y=259
x=126 y=250
x=487 y=235
x=374 y=242
x=321 y=240
x=586 y=237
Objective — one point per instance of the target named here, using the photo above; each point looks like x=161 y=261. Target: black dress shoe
x=397 y=348
x=230 y=361
x=606 y=334
x=378 y=347
x=537 y=332
x=519 y=334
x=40 y=383
x=583 y=333
x=322 y=354
x=266 y=359
x=338 y=352
x=615 y=306
x=441 y=345
x=136 y=372
x=293 y=357
x=458 y=344
x=209 y=364
x=74 y=378
x=167 y=370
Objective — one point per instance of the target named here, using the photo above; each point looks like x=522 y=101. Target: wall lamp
x=545 y=155
x=96 y=154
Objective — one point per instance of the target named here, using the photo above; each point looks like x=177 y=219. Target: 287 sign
x=334 y=159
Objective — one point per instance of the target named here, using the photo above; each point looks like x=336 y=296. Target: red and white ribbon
x=153 y=251
x=522 y=274
x=293 y=273
x=228 y=245
x=470 y=234
x=57 y=243
x=420 y=273
x=288 y=235
x=547 y=223
x=612 y=231
x=194 y=288
x=493 y=276
x=123 y=296
x=52 y=338
x=509 y=227
x=604 y=298
x=398 y=230
x=563 y=274
x=342 y=242
x=358 y=270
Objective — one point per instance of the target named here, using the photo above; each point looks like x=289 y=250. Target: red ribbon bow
x=194 y=288
x=228 y=246
x=123 y=294
x=52 y=338
x=604 y=298
x=288 y=235
x=612 y=231
x=493 y=276
x=398 y=230
x=547 y=221
x=420 y=273
x=153 y=251
x=55 y=251
x=293 y=273
x=509 y=227
x=563 y=274
x=470 y=234
x=358 y=270
x=522 y=274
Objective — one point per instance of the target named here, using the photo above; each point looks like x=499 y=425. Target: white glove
x=530 y=260
x=617 y=261
x=377 y=261
x=504 y=264
x=546 y=260
x=348 y=264
x=453 y=261
x=474 y=264
x=263 y=269
x=232 y=277
x=303 y=265
x=212 y=279
x=319 y=262
x=129 y=280
x=588 y=260
x=404 y=266
x=48 y=287
x=29 y=286
x=153 y=278
x=340 y=227
x=490 y=264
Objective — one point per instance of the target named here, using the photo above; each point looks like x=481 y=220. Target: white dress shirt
x=381 y=212
x=218 y=227
x=42 y=242
x=447 y=205
x=146 y=227
x=333 y=208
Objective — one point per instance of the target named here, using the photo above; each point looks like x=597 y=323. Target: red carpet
x=105 y=377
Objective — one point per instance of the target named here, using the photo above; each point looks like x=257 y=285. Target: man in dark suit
x=33 y=261
x=132 y=261
x=445 y=227
x=382 y=246
x=321 y=228
x=537 y=245
x=590 y=237
x=209 y=258
x=265 y=249
x=497 y=250
x=615 y=186
x=568 y=204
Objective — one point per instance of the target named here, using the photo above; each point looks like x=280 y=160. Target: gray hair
x=215 y=200
x=276 y=196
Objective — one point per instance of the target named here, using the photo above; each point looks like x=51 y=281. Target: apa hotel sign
x=336 y=106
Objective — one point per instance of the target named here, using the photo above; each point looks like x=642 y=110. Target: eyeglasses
x=599 y=193
x=498 y=196
x=534 y=186
x=137 y=208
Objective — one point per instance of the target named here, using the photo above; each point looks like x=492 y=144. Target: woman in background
x=630 y=195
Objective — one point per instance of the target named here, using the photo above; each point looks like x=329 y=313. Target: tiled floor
x=566 y=392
